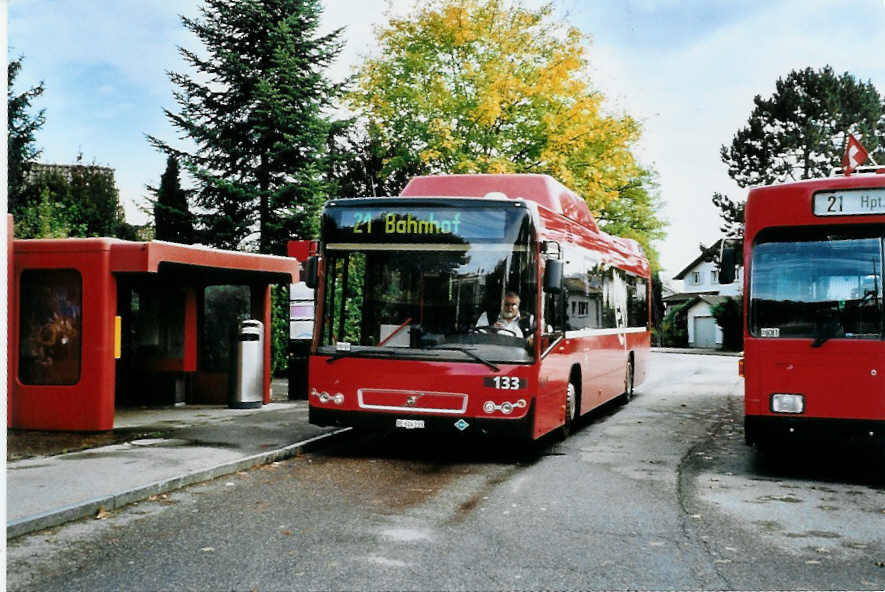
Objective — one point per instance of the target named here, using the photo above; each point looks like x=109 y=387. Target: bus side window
x=554 y=317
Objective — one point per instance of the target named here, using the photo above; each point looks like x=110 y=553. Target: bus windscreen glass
x=818 y=282
x=409 y=281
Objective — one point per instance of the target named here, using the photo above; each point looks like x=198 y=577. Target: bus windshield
x=819 y=282
x=417 y=281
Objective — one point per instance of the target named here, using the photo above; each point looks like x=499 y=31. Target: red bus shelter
x=97 y=323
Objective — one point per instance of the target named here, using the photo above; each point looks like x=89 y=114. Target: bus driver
x=509 y=319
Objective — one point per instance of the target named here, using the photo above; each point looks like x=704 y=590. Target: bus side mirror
x=310 y=272
x=727 y=264
x=553 y=276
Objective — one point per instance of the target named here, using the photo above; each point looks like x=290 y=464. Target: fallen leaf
x=102 y=514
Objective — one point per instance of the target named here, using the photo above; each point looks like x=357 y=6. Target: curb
x=116 y=501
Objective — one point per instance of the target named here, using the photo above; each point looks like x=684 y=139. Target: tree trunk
x=263 y=206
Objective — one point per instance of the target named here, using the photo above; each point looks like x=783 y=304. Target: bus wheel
x=571 y=411
x=628 y=383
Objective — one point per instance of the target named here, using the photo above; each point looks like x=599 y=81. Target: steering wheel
x=495 y=330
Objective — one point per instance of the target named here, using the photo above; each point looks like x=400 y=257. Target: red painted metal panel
x=541 y=189
x=841 y=379
x=301 y=249
x=11 y=325
x=89 y=404
x=835 y=378
x=348 y=375
x=189 y=363
x=268 y=337
x=146 y=257
x=791 y=204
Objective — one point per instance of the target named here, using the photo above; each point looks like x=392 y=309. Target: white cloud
x=692 y=100
x=690 y=82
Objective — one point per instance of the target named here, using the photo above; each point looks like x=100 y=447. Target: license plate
x=410 y=424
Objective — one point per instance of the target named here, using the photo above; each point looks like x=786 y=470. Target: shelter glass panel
x=50 y=326
x=224 y=307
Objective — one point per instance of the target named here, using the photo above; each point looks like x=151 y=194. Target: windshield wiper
x=826 y=327
x=469 y=352
x=338 y=355
x=346 y=353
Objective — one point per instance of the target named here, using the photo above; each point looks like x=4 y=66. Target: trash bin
x=249 y=371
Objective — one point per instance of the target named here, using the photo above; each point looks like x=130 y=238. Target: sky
x=687 y=70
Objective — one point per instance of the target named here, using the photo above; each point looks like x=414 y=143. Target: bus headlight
x=506 y=407
x=787 y=403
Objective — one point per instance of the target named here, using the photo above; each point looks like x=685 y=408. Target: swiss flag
x=854 y=155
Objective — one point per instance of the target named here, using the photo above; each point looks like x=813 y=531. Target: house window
x=695 y=278
x=714 y=276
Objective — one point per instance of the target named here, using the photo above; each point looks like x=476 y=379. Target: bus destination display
x=850 y=202
x=419 y=223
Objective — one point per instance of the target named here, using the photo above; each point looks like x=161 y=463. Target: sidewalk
x=199 y=442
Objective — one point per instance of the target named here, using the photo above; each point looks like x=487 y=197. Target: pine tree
x=800 y=132
x=22 y=127
x=172 y=217
x=254 y=108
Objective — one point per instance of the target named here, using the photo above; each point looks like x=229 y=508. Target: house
x=38 y=169
x=701 y=287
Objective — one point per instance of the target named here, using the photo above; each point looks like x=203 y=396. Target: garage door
x=704 y=332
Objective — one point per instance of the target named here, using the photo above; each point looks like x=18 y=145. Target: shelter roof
x=156 y=256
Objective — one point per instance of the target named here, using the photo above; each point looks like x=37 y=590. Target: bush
x=279 y=345
x=674 y=327
x=729 y=315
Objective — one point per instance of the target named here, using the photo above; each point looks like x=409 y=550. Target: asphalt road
x=660 y=494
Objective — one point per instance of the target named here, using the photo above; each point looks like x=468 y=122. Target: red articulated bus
x=814 y=331
x=487 y=304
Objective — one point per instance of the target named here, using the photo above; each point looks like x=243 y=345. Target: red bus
x=487 y=304
x=814 y=330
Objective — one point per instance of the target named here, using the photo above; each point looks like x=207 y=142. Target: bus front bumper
x=518 y=428
x=766 y=429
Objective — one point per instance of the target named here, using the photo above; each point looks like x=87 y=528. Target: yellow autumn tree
x=489 y=86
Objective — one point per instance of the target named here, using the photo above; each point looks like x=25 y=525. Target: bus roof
x=857 y=180
x=548 y=193
x=544 y=190
x=791 y=204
